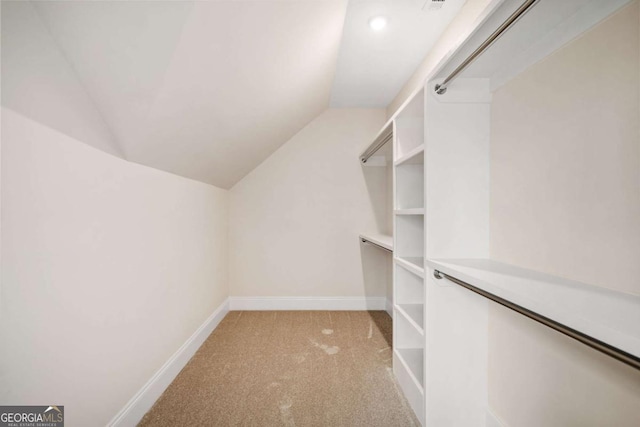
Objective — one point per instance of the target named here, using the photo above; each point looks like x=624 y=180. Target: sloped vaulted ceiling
x=204 y=89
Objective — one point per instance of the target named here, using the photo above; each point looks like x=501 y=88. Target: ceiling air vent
x=432 y=5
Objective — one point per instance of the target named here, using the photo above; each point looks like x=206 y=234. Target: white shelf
x=409 y=287
x=414 y=313
x=609 y=316
x=413 y=157
x=414 y=211
x=381 y=240
x=409 y=241
x=413 y=264
x=409 y=189
x=413 y=359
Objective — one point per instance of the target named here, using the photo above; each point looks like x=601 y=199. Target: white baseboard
x=493 y=420
x=389 y=307
x=144 y=399
x=307 y=303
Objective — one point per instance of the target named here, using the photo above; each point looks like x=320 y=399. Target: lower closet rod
x=594 y=343
x=374 y=243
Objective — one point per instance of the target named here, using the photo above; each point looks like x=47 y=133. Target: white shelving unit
x=441 y=164
x=409 y=251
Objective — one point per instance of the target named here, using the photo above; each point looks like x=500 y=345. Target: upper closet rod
x=384 y=138
x=524 y=8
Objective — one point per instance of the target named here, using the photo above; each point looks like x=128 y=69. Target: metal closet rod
x=524 y=8
x=372 y=151
x=594 y=343
x=375 y=244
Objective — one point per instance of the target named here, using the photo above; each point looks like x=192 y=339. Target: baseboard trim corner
x=307 y=303
x=389 y=307
x=493 y=420
x=143 y=400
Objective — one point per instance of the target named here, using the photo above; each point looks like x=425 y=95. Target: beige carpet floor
x=289 y=368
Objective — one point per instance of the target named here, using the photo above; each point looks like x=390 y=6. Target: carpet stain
x=300 y=358
x=329 y=350
x=285 y=412
x=327 y=331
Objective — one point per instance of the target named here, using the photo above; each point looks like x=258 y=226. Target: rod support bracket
x=440 y=90
x=437 y=275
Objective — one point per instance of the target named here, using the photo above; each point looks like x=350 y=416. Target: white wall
x=108 y=267
x=295 y=220
x=565 y=200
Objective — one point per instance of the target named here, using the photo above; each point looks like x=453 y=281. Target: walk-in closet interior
x=246 y=213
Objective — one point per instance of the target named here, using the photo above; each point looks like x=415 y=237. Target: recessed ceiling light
x=377 y=23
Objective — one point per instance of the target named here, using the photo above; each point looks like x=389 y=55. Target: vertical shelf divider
x=409 y=253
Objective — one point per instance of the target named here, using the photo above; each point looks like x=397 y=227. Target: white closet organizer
x=444 y=278
x=400 y=146
x=462 y=279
